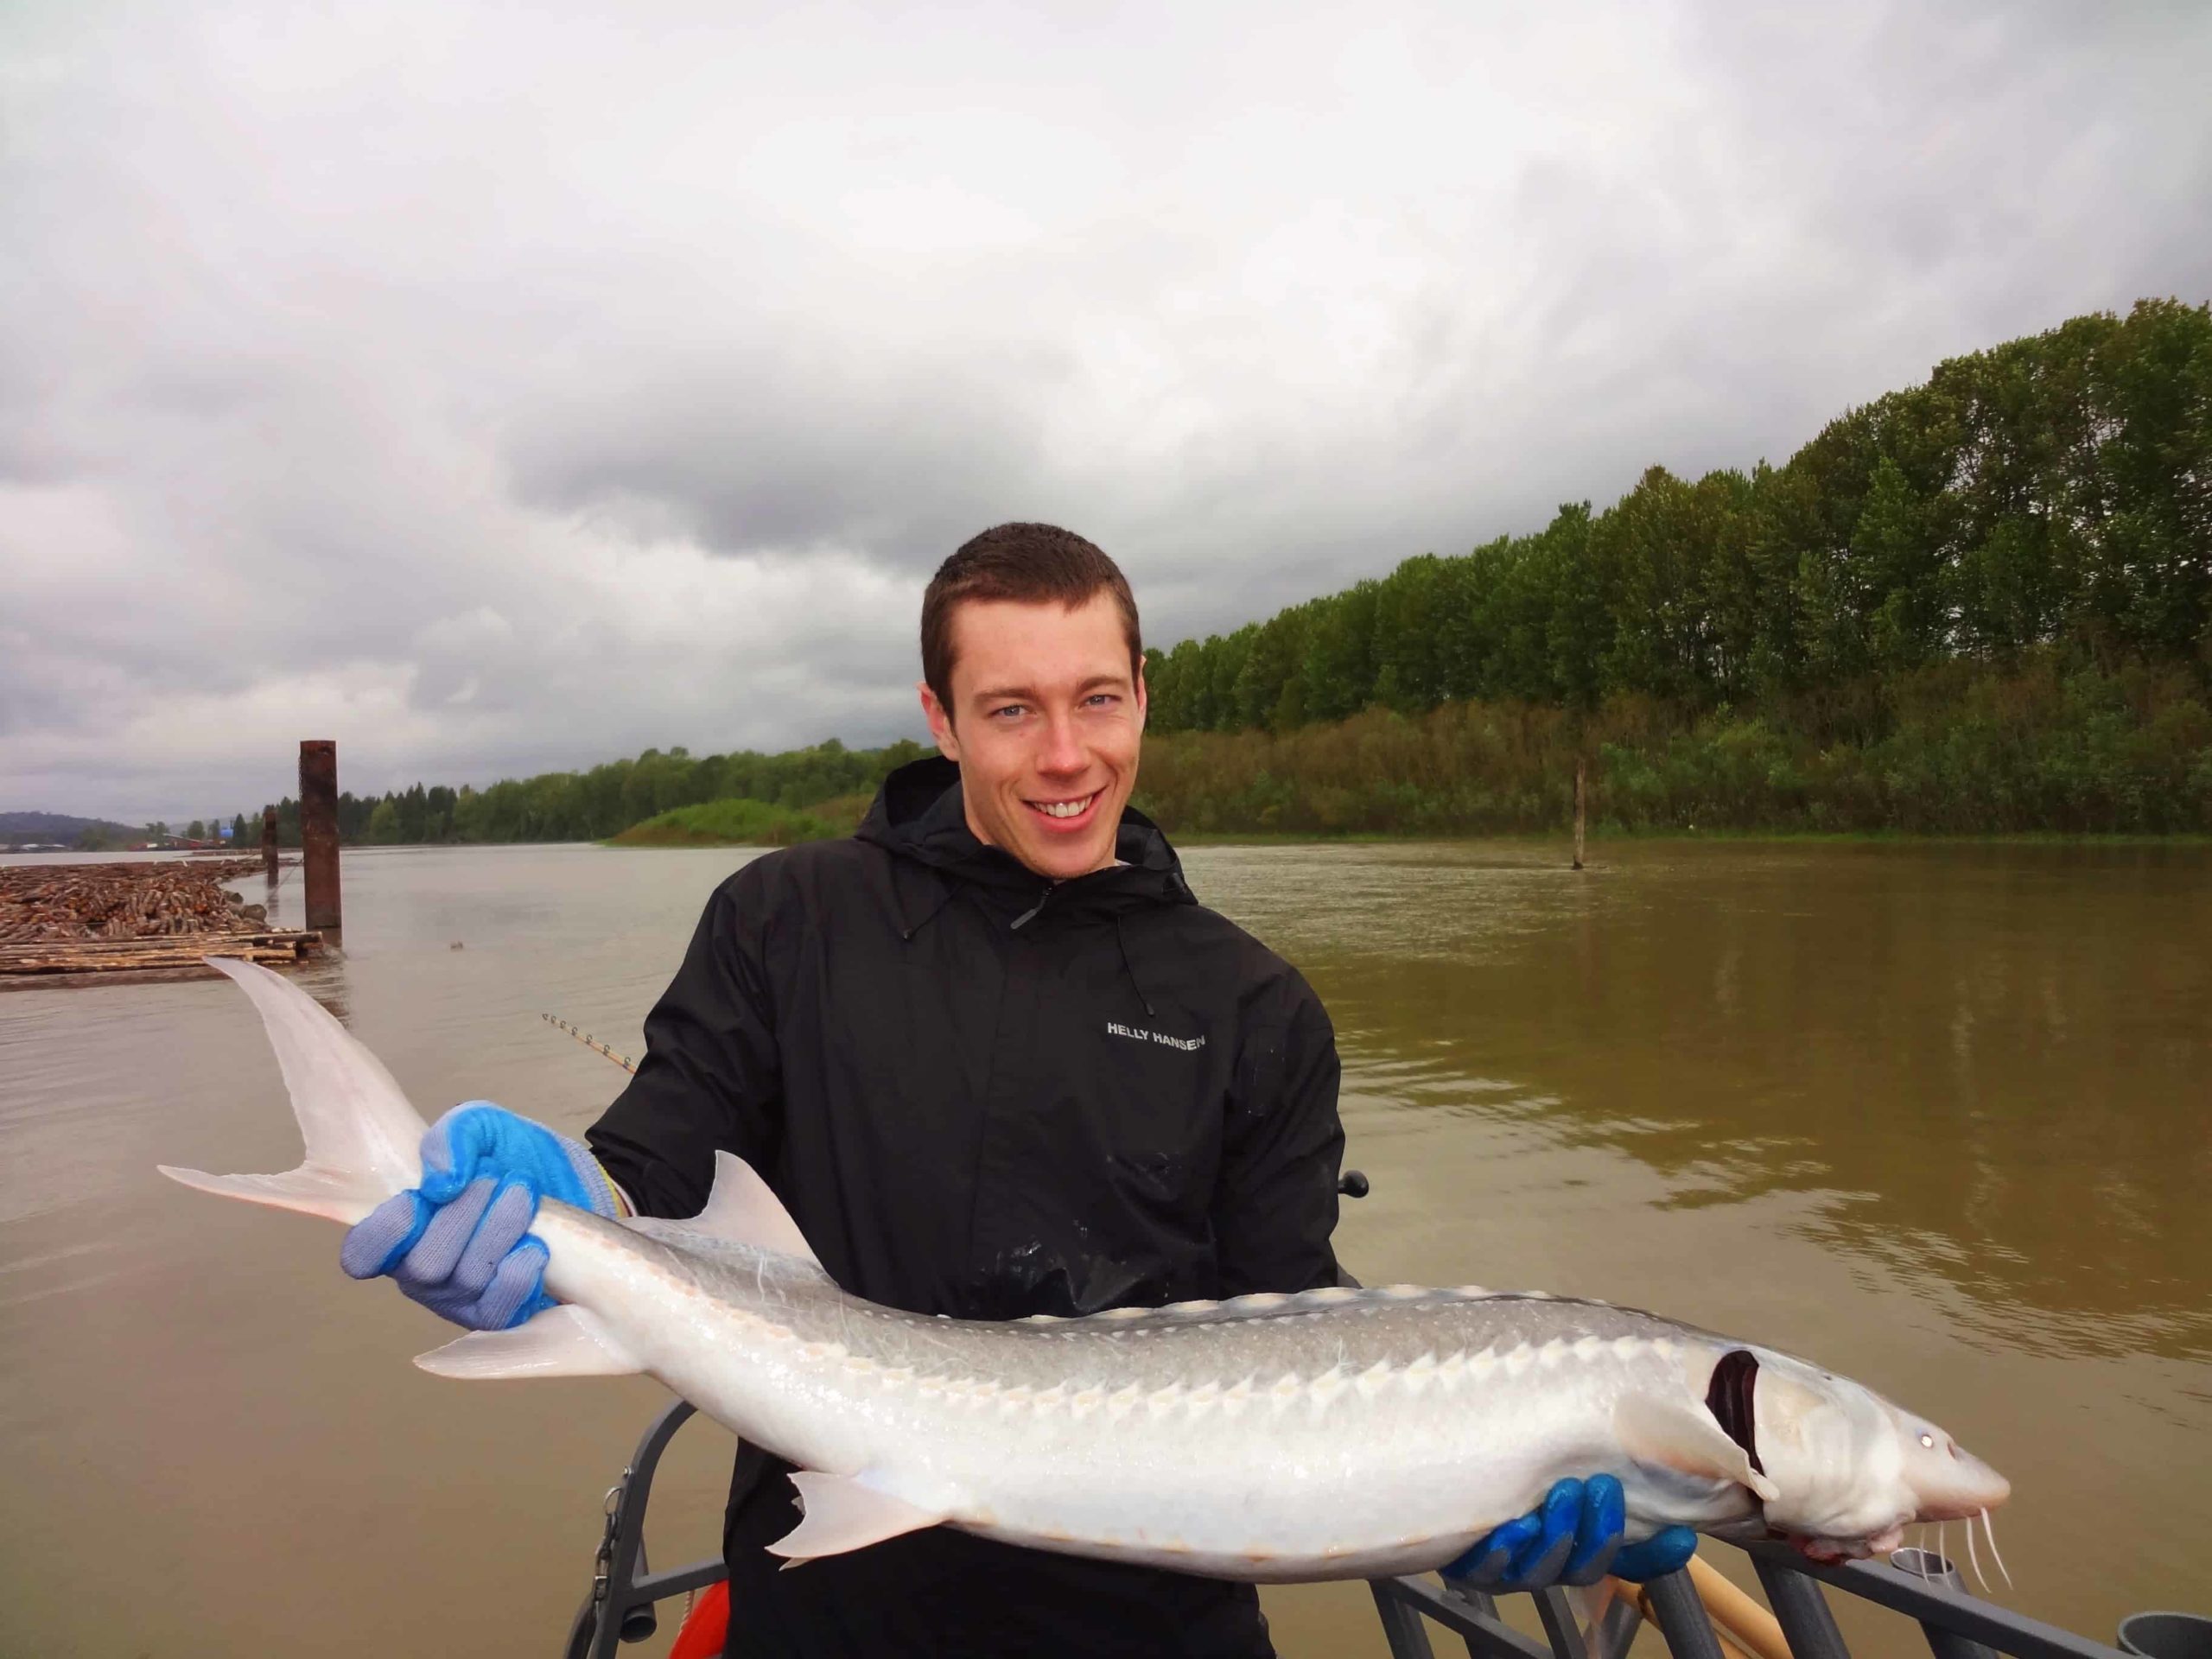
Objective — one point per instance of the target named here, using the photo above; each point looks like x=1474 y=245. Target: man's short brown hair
x=1028 y=564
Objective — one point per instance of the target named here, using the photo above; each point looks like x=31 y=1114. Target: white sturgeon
x=1337 y=1434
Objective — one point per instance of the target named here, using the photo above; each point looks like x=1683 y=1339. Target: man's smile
x=1065 y=812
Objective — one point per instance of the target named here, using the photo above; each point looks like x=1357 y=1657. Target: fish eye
x=1928 y=1440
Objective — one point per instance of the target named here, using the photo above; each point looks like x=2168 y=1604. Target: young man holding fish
x=997 y=1061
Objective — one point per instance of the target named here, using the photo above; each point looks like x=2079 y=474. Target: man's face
x=1044 y=721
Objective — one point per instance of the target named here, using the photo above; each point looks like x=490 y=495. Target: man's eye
x=1100 y=700
x=1010 y=708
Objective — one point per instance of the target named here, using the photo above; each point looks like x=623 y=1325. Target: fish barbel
x=1336 y=1433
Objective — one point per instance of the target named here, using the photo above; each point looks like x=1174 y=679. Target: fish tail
x=363 y=1137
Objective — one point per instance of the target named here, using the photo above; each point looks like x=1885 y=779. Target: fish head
x=1851 y=1470
x=1949 y=1482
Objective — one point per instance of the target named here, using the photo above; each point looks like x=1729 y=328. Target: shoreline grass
x=1617 y=835
x=756 y=823
x=736 y=823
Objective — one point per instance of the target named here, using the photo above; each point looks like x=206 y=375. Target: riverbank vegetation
x=739 y=822
x=607 y=801
x=1981 y=605
x=1955 y=748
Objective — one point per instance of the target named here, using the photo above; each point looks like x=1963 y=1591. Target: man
x=997 y=1060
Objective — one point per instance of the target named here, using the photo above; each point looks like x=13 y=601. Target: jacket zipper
x=1030 y=914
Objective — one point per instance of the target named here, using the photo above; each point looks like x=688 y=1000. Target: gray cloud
x=495 y=393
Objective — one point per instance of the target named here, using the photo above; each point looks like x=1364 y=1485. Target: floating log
x=147 y=900
x=182 y=950
x=225 y=867
x=78 y=958
x=203 y=945
x=77 y=918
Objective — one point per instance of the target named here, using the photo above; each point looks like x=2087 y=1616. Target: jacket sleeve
x=711 y=1078
x=1276 y=1199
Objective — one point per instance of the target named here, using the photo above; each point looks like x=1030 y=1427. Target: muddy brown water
x=1938 y=1117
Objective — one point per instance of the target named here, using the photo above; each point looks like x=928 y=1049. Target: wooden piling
x=269 y=843
x=318 y=836
x=1581 y=767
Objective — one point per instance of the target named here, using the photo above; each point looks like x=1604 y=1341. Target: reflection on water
x=1992 y=1060
x=1937 y=1115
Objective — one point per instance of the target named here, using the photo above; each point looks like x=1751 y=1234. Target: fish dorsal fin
x=844 y=1514
x=1684 y=1438
x=742 y=1210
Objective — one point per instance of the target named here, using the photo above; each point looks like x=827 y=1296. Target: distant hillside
x=21 y=828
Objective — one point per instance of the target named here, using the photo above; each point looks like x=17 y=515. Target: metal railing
x=621 y=1605
x=1955 y=1624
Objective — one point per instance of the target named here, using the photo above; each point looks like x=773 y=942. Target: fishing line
x=589 y=1042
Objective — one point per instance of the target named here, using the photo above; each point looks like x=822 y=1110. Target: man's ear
x=1144 y=697
x=940 y=720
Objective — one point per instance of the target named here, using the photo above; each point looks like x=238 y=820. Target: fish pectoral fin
x=742 y=1209
x=564 y=1341
x=1686 y=1438
x=844 y=1514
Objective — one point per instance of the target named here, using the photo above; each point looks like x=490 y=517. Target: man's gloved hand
x=1572 y=1537
x=459 y=1244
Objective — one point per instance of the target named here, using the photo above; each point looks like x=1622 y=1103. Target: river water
x=1938 y=1117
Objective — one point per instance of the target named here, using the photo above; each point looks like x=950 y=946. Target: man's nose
x=1062 y=749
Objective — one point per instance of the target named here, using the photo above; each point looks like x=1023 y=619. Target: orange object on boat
x=706 y=1627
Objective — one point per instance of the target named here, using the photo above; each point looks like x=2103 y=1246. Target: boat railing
x=1956 y=1626
x=621 y=1606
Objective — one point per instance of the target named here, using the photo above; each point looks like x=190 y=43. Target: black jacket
x=985 y=1095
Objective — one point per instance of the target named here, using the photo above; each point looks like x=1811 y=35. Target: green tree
x=1902 y=569
x=1580 y=582
x=1340 y=676
x=1271 y=665
x=1406 y=650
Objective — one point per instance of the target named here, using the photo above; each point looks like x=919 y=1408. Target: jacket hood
x=919 y=815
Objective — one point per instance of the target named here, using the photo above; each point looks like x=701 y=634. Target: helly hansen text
x=1116 y=1028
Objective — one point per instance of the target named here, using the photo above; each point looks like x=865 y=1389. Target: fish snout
x=1955 y=1486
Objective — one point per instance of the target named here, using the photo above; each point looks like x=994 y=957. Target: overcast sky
x=501 y=388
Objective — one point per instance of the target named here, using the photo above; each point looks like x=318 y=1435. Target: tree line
x=2052 y=492
x=601 y=803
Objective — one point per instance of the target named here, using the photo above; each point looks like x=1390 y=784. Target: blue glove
x=1572 y=1537
x=1667 y=1550
x=459 y=1244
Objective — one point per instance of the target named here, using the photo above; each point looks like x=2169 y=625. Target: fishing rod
x=589 y=1042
